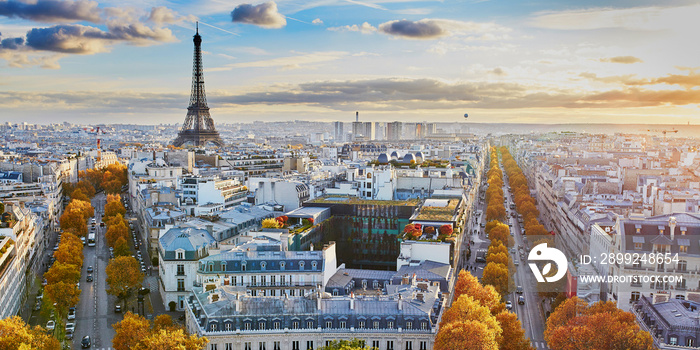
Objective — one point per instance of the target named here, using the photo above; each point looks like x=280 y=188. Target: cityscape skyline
x=551 y=62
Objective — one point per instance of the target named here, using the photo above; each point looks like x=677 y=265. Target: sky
x=565 y=61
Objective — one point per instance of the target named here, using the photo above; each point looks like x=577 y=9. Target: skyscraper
x=394 y=131
x=338 y=133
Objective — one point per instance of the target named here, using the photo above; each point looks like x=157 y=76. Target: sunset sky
x=130 y=61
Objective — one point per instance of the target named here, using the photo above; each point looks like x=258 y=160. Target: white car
x=70 y=327
x=50 y=325
x=509 y=305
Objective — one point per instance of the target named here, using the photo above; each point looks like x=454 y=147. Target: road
x=95 y=312
x=530 y=314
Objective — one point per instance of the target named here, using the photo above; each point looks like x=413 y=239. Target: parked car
x=519 y=290
x=89 y=269
x=70 y=327
x=117 y=308
x=37 y=306
x=50 y=325
x=88 y=278
x=509 y=305
x=521 y=300
x=82 y=239
x=86 y=343
x=69 y=336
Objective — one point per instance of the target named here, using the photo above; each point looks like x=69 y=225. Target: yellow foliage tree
x=498 y=276
x=123 y=276
x=16 y=335
x=461 y=335
x=62 y=272
x=63 y=294
x=271 y=223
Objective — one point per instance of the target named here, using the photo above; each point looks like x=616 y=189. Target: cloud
x=263 y=15
x=52 y=10
x=364 y=28
x=622 y=59
x=681 y=19
x=11 y=43
x=286 y=63
x=423 y=29
x=317 y=21
x=498 y=71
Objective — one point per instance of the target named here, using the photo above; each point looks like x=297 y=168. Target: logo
x=543 y=253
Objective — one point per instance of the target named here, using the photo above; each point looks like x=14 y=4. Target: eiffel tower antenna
x=198 y=128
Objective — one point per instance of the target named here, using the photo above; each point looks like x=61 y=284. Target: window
x=314 y=265
x=424 y=325
x=234 y=280
x=261 y=325
x=247 y=326
x=309 y=324
x=342 y=324
x=248 y=345
x=243 y=266
x=329 y=324
x=635 y=296
x=295 y=324
x=309 y=345
x=637 y=245
x=295 y=345
x=229 y=346
x=283 y=280
x=362 y=343
x=423 y=345
x=683 y=249
x=335 y=292
x=263 y=265
x=375 y=284
x=282 y=263
x=301 y=265
x=261 y=345
x=180 y=255
x=409 y=345
x=180 y=270
x=389 y=345
x=213 y=347
x=682 y=264
x=375 y=324
x=390 y=324
x=361 y=324
x=276 y=346
x=273 y=280
x=263 y=280
x=180 y=284
x=227 y=326
x=253 y=280
x=276 y=325
x=375 y=344
x=690 y=342
x=212 y=327
x=409 y=325
x=211 y=267
x=673 y=340
x=364 y=284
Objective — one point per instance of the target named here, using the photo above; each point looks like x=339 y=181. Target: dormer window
x=211 y=267
x=243 y=266
x=282 y=264
x=180 y=254
x=314 y=264
x=263 y=265
x=223 y=266
x=301 y=265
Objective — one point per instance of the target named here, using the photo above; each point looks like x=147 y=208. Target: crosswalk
x=540 y=345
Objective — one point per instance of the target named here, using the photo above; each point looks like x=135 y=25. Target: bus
x=91 y=240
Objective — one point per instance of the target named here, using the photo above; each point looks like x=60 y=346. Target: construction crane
x=663 y=131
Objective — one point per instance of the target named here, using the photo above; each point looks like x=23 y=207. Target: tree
x=62 y=272
x=498 y=276
x=468 y=284
x=114 y=232
x=123 y=276
x=353 y=344
x=460 y=335
x=576 y=325
x=86 y=187
x=16 y=335
x=446 y=230
x=513 y=336
x=74 y=221
x=79 y=195
x=69 y=253
x=501 y=232
x=114 y=207
x=64 y=294
x=121 y=248
x=467 y=308
x=175 y=339
x=271 y=223
x=129 y=331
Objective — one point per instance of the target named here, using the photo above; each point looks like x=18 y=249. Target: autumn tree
x=121 y=248
x=176 y=339
x=62 y=272
x=466 y=308
x=79 y=195
x=74 y=221
x=513 y=336
x=271 y=223
x=461 y=335
x=129 y=331
x=576 y=325
x=63 y=294
x=69 y=252
x=501 y=232
x=114 y=232
x=468 y=284
x=498 y=276
x=15 y=334
x=114 y=207
x=86 y=187
x=123 y=276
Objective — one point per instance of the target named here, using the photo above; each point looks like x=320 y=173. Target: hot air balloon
x=466 y=115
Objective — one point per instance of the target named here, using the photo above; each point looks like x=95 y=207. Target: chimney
x=419 y=296
x=405 y=280
x=318 y=300
x=352 y=301
x=672 y=225
x=357 y=116
x=311 y=246
x=400 y=303
x=238 y=303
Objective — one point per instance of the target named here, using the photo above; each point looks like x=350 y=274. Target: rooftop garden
x=418 y=232
x=430 y=213
x=356 y=200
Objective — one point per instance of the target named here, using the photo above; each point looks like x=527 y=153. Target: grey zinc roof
x=668 y=310
x=186 y=238
x=430 y=270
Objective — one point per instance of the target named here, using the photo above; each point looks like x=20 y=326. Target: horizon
x=97 y=62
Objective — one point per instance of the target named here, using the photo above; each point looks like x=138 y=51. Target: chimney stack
x=400 y=303
x=357 y=116
x=352 y=301
x=238 y=303
x=672 y=225
x=318 y=300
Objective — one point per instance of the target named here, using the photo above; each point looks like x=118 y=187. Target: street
x=95 y=312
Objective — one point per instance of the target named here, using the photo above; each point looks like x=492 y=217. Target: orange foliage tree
x=17 y=335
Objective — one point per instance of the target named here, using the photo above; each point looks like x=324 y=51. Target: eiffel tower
x=198 y=128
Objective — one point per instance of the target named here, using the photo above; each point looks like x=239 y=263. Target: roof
x=185 y=238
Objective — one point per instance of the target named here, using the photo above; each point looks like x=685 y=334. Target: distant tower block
x=198 y=128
